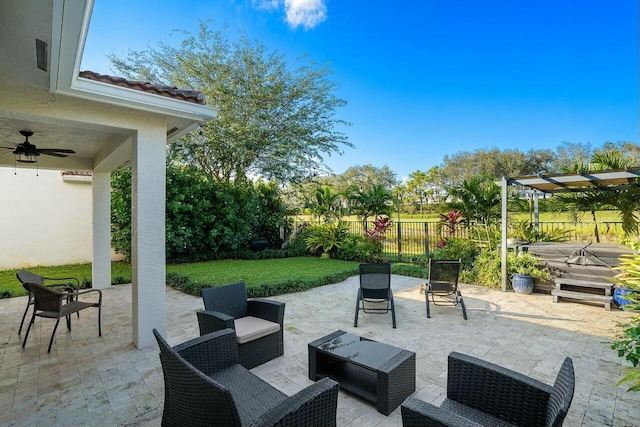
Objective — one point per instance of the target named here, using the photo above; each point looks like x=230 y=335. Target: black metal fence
x=408 y=239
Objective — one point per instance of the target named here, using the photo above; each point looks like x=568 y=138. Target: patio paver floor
x=88 y=380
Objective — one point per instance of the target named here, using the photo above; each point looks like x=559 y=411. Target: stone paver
x=87 y=380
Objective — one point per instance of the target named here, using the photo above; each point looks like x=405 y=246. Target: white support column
x=148 y=235
x=101 y=207
x=503 y=229
x=536 y=211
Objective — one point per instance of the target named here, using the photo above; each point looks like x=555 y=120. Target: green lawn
x=255 y=273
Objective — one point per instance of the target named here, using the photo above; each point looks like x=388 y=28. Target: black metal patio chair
x=443 y=283
x=480 y=393
x=258 y=322
x=205 y=385
x=375 y=287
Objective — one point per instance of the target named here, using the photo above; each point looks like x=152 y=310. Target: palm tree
x=325 y=204
x=374 y=201
x=626 y=200
x=478 y=199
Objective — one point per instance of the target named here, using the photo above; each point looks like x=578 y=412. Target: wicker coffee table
x=380 y=373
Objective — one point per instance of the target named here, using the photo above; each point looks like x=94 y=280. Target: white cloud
x=305 y=13
x=266 y=4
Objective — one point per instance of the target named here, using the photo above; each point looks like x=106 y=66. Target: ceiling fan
x=26 y=152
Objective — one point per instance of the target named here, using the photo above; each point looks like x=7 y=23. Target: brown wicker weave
x=480 y=393
x=54 y=305
x=28 y=277
x=224 y=304
x=205 y=385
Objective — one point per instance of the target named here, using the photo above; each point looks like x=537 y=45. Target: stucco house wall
x=44 y=220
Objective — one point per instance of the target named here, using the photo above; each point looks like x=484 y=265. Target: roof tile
x=193 y=96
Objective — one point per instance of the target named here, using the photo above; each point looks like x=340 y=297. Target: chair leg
x=426 y=298
x=464 y=310
x=100 y=322
x=29 y=328
x=24 y=316
x=355 y=322
x=68 y=317
x=53 y=334
x=393 y=311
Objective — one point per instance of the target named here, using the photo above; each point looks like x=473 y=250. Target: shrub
x=204 y=220
x=360 y=248
x=327 y=238
x=488 y=270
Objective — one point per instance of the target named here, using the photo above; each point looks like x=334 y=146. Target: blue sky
x=429 y=78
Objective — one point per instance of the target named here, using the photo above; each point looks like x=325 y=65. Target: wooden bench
x=596 y=292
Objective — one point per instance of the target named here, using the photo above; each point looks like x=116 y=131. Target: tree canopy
x=274 y=121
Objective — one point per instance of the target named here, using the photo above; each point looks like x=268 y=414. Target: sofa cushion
x=251 y=328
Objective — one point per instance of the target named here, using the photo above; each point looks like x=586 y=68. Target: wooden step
x=602 y=299
x=583 y=283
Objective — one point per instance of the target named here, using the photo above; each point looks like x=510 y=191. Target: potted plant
x=524 y=267
x=627 y=283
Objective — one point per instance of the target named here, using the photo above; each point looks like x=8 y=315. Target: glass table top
x=360 y=350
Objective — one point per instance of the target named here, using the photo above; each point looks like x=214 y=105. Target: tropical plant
x=450 y=222
x=628 y=343
x=524 y=230
x=325 y=204
x=625 y=199
x=327 y=237
x=375 y=201
x=380 y=227
x=525 y=263
x=488 y=271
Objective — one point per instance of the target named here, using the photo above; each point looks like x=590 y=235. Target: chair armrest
x=266 y=309
x=211 y=321
x=315 y=405
x=416 y=413
x=211 y=352
x=63 y=278
x=498 y=391
x=89 y=291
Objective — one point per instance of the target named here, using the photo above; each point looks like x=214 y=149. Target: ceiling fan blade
x=55 y=150
x=54 y=154
x=9 y=148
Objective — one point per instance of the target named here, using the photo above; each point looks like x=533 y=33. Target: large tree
x=275 y=121
x=494 y=163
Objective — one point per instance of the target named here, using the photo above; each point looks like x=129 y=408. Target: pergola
x=588 y=181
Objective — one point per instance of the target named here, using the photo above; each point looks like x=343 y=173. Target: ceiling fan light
x=26 y=158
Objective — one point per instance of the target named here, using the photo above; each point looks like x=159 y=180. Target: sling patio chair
x=375 y=287
x=480 y=393
x=443 y=283
x=28 y=277
x=54 y=304
x=205 y=385
x=258 y=322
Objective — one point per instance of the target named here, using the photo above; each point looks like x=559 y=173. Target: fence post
x=399 y=241
x=426 y=238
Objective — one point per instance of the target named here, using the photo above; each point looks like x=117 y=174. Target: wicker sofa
x=205 y=385
x=480 y=393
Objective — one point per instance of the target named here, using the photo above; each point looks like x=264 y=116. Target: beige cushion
x=251 y=328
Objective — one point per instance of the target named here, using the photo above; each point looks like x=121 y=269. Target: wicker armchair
x=480 y=393
x=53 y=304
x=64 y=283
x=205 y=385
x=258 y=322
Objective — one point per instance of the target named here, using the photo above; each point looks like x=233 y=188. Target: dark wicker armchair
x=205 y=385
x=480 y=393
x=59 y=283
x=53 y=304
x=258 y=322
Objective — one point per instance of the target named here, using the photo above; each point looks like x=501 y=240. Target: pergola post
x=503 y=229
x=536 y=211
